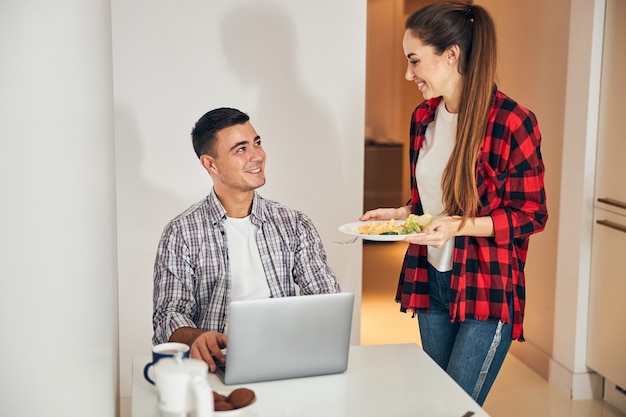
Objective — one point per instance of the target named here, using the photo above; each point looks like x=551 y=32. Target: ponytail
x=441 y=25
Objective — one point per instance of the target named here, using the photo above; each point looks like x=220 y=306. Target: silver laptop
x=287 y=337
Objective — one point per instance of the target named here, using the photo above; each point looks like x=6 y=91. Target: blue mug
x=165 y=350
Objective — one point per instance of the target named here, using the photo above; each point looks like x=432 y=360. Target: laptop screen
x=288 y=337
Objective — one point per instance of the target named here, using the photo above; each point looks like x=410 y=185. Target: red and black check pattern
x=487 y=273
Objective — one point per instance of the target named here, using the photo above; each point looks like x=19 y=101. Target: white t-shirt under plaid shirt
x=192 y=280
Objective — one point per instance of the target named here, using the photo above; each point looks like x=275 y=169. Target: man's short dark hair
x=205 y=131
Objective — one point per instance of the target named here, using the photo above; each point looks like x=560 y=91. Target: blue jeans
x=471 y=351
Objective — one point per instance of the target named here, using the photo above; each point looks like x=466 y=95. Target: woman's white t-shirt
x=433 y=157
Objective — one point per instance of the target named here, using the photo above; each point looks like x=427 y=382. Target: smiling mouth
x=255 y=171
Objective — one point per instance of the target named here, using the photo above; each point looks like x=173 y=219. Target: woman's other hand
x=438 y=232
x=442 y=229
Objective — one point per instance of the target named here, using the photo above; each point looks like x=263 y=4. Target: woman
x=476 y=166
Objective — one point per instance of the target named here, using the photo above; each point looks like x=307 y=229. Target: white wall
x=297 y=68
x=58 y=304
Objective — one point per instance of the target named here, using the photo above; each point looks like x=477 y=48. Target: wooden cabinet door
x=606 y=341
x=611 y=159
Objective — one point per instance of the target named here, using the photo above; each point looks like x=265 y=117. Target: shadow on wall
x=137 y=223
x=261 y=46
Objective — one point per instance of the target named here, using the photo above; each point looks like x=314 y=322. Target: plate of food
x=387 y=230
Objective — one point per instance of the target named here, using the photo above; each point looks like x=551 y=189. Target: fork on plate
x=346 y=242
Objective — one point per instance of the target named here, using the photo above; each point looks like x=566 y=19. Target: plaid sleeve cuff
x=501 y=226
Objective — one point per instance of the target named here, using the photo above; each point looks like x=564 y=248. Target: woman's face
x=435 y=75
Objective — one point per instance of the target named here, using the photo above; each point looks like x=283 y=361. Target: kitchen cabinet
x=606 y=341
x=383 y=175
x=610 y=163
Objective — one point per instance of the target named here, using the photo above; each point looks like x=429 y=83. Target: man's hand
x=205 y=345
x=208 y=347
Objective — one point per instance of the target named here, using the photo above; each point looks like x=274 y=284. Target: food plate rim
x=350 y=229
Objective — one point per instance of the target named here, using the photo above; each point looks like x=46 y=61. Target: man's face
x=239 y=165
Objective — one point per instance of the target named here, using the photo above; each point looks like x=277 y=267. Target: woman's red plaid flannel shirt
x=487 y=273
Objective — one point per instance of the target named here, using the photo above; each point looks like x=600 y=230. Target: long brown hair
x=441 y=25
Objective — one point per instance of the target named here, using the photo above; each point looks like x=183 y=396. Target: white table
x=381 y=381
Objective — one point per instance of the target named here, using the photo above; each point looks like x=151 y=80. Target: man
x=232 y=245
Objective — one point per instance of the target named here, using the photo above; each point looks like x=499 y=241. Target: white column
x=58 y=310
x=568 y=371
